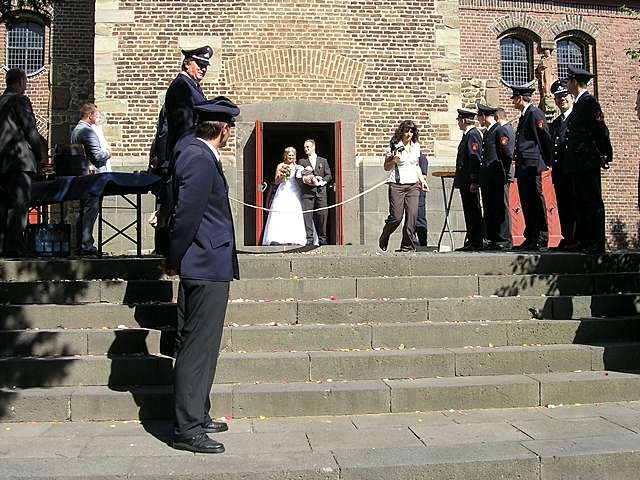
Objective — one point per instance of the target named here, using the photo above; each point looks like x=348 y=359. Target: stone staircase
x=332 y=331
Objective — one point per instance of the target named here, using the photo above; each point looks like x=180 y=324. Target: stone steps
x=350 y=311
x=273 y=367
x=324 y=398
x=140 y=291
x=285 y=338
x=332 y=261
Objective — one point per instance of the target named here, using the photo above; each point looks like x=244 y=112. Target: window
x=25 y=47
x=570 y=53
x=515 y=60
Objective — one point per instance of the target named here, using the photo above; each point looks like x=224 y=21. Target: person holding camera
x=401 y=159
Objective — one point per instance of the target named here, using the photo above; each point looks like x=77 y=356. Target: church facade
x=343 y=72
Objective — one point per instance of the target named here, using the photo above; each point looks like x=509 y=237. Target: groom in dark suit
x=314 y=192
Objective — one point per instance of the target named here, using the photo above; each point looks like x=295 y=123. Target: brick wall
x=391 y=59
x=616 y=88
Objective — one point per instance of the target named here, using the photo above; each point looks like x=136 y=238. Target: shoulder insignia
x=540 y=123
x=474 y=146
x=504 y=140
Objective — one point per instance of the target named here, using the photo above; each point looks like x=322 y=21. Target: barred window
x=570 y=53
x=515 y=60
x=25 y=46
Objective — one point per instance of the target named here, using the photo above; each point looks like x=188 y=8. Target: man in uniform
x=588 y=150
x=501 y=118
x=21 y=148
x=183 y=94
x=562 y=181
x=494 y=179
x=467 y=178
x=533 y=151
x=203 y=252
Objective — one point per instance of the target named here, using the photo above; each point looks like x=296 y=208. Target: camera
x=395 y=150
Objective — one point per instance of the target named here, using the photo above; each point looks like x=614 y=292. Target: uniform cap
x=559 y=87
x=579 y=74
x=202 y=54
x=522 y=91
x=220 y=109
x=486 y=110
x=466 y=113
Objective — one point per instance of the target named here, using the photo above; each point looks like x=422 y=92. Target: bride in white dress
x=285 y=224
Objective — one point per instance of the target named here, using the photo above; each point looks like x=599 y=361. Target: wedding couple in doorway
x=301 y=186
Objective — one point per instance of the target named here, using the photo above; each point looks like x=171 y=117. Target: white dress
x=285 y=225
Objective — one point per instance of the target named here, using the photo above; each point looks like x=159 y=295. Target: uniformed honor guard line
x=371 y=189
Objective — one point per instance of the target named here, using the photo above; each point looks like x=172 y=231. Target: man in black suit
x=183 y=94
x=533 y=151
x=494 y=179
x=467 y=179
x=561 y=181
x=203 y=252
x=315 y=177
x=21 y=148
x=588 y=150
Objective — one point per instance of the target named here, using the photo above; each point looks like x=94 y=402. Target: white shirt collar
x=579 y=95
x=213 y=149
x=469 y=128
x=567 y=113
x=524 y=110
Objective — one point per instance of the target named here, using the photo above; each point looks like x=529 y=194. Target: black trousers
x=497 y=216
x=589 y=208
x=87 y=217
x=319 y=219
x=201 y=309
x=472 y=216
x=15 y=197
x=534 y=209
x=403 y=200
x=563 y=187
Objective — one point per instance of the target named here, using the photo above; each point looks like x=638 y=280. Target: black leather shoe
x=215 y=427
x=199 y=443
x=383 y=244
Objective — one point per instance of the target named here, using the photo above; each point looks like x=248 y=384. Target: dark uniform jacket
x=468 y=158
x=20 y=142
x=181 y=96
x=533 y=149
x=558 y=130
x=588 y=143
x=322 y=169
x=203 y=245
x=497 y=155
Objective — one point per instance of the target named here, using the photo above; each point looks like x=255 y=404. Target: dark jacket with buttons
x=533 y=149
x=182 y=95
x=497 y=154
x=322 y=170
x=203 y=245
x=20 y=142
x=558 y=130
x=588 y=142
x=468 y=158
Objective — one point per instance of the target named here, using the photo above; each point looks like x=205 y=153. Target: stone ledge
x=114 y=16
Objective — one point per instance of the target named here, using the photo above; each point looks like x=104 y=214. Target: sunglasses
x=409 y=129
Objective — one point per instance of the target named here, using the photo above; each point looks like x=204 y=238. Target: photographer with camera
x=406 y=180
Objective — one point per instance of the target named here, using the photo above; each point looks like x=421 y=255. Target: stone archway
x=289 y=112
